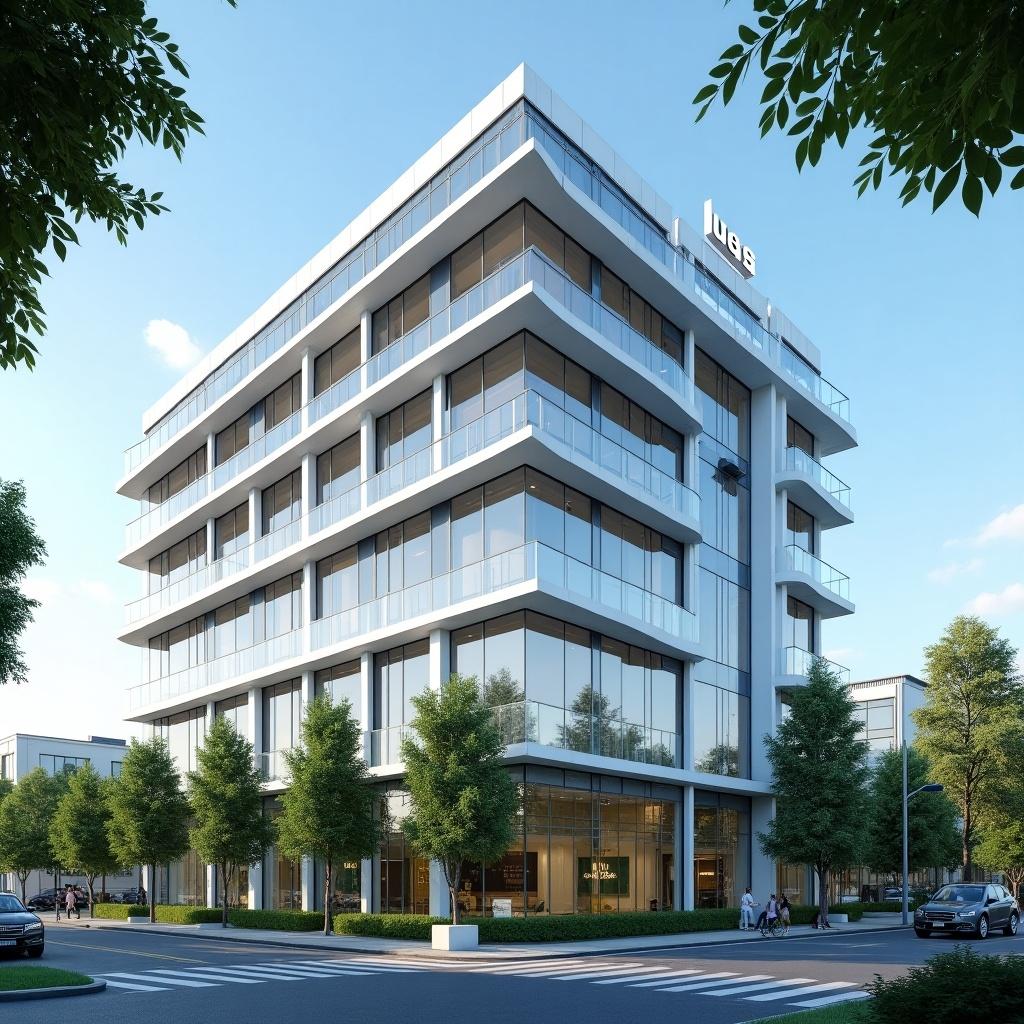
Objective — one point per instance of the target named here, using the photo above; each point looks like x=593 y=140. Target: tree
x=20 y=549
x=819 y=772
x=1001 y=826
x=225 y=792
x=973 y=712
x=79 y=832
x=937 y=80
x=933 y=835
x=78 y=80
x=25 y=817
x=463 y=801
x=721 y=759
x=516 y=722
x=148 y=811
x=329 y=809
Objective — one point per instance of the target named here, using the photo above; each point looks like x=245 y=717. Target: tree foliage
x=820 y=774
x=971 y=718
x=79 y=831
x=1001 y=827
x=148 y=810
x=25 y=817
x=940 y=82
x=933 y=834
x=328 y=811
x=463 y=800
x=20 y=549
x=78 y=81
x=225 y=792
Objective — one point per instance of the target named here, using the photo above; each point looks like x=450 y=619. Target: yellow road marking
x=129 y=952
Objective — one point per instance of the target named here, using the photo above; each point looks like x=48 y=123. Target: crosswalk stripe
x=210 y=975
x=529 y=971
x=731 y=975
x=342 y=965
x=534 y=965
x=251 y=972
x=785 y=983
x=701 y=985
x=396 y=960
x=311 y=972
x=604 y=972
x=651 y=984
x=661 y=976
x=132 y=988
x=797 y=993
x=184 y=983
x=839 y=997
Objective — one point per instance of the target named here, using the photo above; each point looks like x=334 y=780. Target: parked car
x=134 y=896
x=44 y=900
x=971 y=907
x=20 y=930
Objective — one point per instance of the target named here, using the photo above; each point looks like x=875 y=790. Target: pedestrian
x=57 y=896
x=784 y=913
x=71 y=903
x=771 y=912
x=747 y=904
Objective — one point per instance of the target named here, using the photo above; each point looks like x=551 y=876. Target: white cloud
x=1005 y=526
x=1003 y=602
x=948 y=573
x=40 y=589
x=173 y=344
x=96 y=590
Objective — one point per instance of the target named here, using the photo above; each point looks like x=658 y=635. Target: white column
x=763 y=875
x=684 y=861
x=255 y=513
x=365 y=345
x=366 y=721
x=255 y=726
x=437 y=421
x=308 y=603
x=764 y=537
x=440 y=658
x=211 y=451
x=440 y=904
x=306 y=882
x=211 y=539
x=306 y=382
x=211 y=886
x=307 y=485
x=686 y=732
x=366 y=886
x=367 y=446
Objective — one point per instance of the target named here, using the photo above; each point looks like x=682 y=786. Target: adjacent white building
x=886 y=707
x=21 y=752
x=520 y=421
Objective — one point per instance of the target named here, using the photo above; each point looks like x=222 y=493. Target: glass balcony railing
x=159 y=515
x=217 y=670
x=259 y=449
x=386 y=745
x=229 y=565
x=821 y=572
x=802 y=374
x=496 y=144
x=531 y=562
x=273 y=765
x=798 y=461
x=797 y=662
x=532 y=722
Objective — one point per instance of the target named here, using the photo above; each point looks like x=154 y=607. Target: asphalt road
x=161 y=978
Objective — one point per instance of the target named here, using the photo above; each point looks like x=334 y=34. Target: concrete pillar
x=255 y=513
x=211 y=451
x=366 y=895
x=255 y=727
x=211 y=539
x=366 y=721
x=763 y=875
x=686 y=733
x=365 y=346
x=440 y=658
x=437 y=422
x=440 y=904
x=764 y=538
x=367 y=446
x=308 y=604
x=212 y=896
x=306 y=382
x=307 y=486
x=684 y=860
x=307 y=883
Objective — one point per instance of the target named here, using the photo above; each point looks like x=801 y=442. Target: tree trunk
x=103 y=888
x=327 y=895
x=453 y=875
x=224 y=894
x=24 y=881
x=822 y=897
x=152 y=894
x=90 y=881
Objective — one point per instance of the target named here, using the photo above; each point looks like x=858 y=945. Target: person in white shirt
x=747 y=904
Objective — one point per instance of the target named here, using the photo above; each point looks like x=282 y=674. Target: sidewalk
x=504 y=951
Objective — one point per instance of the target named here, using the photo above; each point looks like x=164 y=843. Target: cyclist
x=771 y=915
x=784 y=913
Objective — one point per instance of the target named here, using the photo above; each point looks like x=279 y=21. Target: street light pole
x=928 y=787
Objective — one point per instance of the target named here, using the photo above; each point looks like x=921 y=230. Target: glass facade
x=236 y=711
x=721 y=849
x=282 y=876
x=337 y=362
x=178 y=561
x=721 y=682
x=266 y=414
x=402 y=879
x=282 y=715
x=342 y=682
x=188 y=471
x=281 y=503
x=183 y=733
x=877 y=720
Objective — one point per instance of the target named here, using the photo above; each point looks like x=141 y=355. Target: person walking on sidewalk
x=784 y=913
x=71 y=903
x=58 y=901
x=747 y=904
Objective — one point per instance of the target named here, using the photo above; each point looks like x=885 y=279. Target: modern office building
x=21 y=752
x=518 y=421
x=887 y=706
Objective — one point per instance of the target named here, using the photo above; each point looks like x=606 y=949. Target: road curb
x=511 y=958
x=55 y=992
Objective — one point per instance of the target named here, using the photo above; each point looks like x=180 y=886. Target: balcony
x=814 y=488
x=795 y=665
x=814 y=582
x=273 y=765
x=558 y=728
x=531 y=567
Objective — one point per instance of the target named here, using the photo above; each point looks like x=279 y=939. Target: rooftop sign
x=728 y=243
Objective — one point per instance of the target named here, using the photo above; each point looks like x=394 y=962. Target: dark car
x=20 y=930
x=45 y=900
x=971 y=907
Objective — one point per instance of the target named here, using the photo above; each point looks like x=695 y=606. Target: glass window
x=465 y=394
x=399 y=675
x=799 y=527
x=236 y=711
x=541 y=233
x=503 y=240
x=725 y=403
x=337 y=470
x=281 y=403
x=467 y=266
x=545 y=510
x=232 y=439
x=504 y=653
x=467 y=528
x=178 y=561
x=337 y=582
x=545 y=660
x=282 y=502
x=282 y=715
x=800 y=632
x=416 y=549
x=404 y=431
x=186 y=472
x=341 y=359
x=503 y=373
x=282 y=606
x=342 y=682
x=231 y=531
x=504 y=513
x=799 y=437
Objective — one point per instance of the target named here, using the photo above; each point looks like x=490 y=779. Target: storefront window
x=282 y=877
x=403 y=879
x=721 y=849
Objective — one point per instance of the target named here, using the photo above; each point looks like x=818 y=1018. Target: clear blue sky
x=311 y=113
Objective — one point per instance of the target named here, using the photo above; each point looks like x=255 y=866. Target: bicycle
x=774 y=928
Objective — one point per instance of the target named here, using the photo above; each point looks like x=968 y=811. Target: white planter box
x=839 y=918
x=139 y=919
x=454 y=937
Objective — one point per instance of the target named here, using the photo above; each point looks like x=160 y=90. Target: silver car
x=972 y=907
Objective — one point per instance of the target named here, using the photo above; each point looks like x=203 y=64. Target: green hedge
x=885 y=906
x=564 y=927
x=276 y=920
